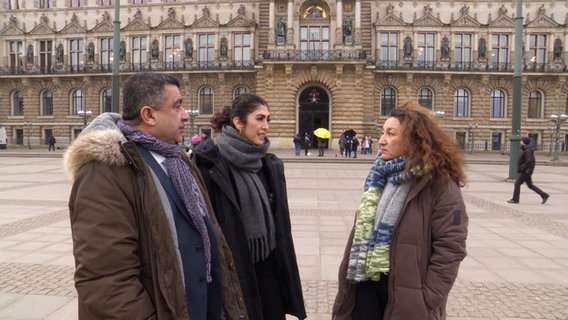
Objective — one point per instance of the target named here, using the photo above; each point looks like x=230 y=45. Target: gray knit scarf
x=245 y=158
x=182 y=179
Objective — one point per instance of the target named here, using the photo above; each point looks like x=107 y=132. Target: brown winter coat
x=427 y=247
x=126 y=265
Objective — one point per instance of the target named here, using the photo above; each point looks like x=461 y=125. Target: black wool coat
x=220 y=185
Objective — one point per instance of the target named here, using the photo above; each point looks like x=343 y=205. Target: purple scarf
x=182 y=179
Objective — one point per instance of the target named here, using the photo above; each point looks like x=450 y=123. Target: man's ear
x=147 y=115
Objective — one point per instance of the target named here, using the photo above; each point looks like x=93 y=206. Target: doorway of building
x=313 y=112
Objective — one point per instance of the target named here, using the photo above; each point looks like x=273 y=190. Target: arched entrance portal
x=313 y=111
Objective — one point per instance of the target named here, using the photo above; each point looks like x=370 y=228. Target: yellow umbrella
x=322 y=133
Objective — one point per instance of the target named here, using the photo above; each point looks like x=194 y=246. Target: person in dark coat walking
x=525 y=168
x=247 y=187
x=51 y=143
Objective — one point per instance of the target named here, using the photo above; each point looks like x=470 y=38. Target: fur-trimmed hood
x=100 y=141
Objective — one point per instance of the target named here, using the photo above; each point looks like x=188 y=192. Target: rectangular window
x=426 y=49
x=46 y=104
x=314 y=42
x=44 y=4
x=139 y=51
x=107 y=2
x=76 y=47
x=172 y=51
x=13 y=4
x=241 y=49
x=45 y=52
x=537 y=51
x=77 y=3
x=462 y=53
x=500 y=51
x=389 y=49
x=206 y=50
x=106 y=53
x=16 y=53
x=139 y=1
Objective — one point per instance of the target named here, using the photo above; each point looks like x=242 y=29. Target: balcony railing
x=291 y=56
x=314 y=55
x=131 y=67
x=447 y=65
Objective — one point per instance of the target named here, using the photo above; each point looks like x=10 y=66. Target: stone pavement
x=517 y=265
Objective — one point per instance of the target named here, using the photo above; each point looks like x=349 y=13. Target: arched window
x=535 y=105
x=46 y=103
x=206 y=100
x=388 y=100
x=461 y=103
x=77 y=101
x=498 y=104
x=426 y=98
x=240 y=90
x=106 y=100
x=18 y=104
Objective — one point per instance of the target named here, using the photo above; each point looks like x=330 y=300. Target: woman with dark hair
x=404 y=251
x=248 y=191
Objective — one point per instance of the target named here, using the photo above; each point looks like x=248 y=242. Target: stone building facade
x=337 y=64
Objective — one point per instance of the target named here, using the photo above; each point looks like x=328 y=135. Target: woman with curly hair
x=408 y=240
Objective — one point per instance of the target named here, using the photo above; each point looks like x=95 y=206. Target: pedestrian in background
x=525 y=168
x=409 y=237
x=51 y=143
x=306 y=144
x=145 y=240
x=248 y=188
x=297 y=144
x=321 y=147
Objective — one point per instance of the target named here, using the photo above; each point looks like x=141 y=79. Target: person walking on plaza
x=297 y=144
x=409 y=236
x=321 y=147
x=51 y=143
x=306 y=144
x=145 y=240
x=248 y=189
x=525 y=168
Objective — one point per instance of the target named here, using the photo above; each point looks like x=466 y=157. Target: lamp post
x=470 y=135
x=85 y=114
x=557 y=119
x=192 y=114
x=28 y=125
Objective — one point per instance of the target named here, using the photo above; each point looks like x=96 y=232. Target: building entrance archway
x=313 y=112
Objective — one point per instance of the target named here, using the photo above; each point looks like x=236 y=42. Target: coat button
x=202 y=279
x=198 y=248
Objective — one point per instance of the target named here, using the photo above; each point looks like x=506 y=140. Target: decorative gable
x=72 y=27
x=390 y=20
x=170 y=23
x=465 y=21
x=542 y=21
x=41 y=29
x=103 y=26
x=502 y=22
x=428 y=21
x=205 y=22
x=11 y=30
x=136 y=25
x=241 y=21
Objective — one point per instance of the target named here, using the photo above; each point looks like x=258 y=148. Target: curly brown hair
x=430 y=147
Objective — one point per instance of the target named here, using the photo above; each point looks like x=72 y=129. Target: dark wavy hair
x=429 y=146
x=243 y=105
x=144 y=89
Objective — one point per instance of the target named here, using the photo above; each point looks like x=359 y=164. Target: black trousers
x=371 y=298
x=525 y=178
